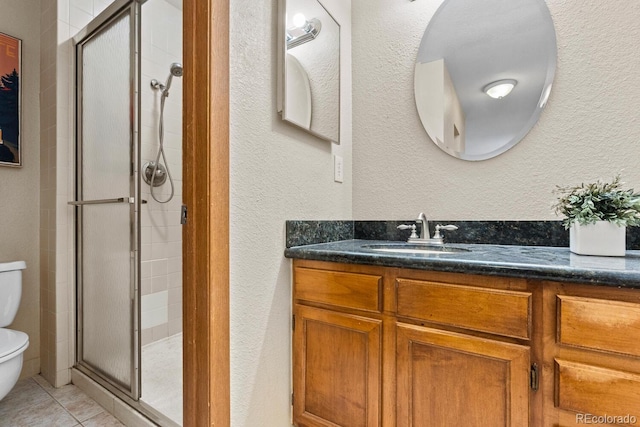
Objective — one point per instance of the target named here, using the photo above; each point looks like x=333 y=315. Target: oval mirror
x=483 y=74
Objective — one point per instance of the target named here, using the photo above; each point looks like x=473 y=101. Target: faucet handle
x=414 y=235
x=449 y=227
x=439 y=227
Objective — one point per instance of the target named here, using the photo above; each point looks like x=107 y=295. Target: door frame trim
x=206 y=194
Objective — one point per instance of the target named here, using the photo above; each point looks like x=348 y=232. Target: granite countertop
x=531 y=262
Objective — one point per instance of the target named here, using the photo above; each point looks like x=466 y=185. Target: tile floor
x=33 y=402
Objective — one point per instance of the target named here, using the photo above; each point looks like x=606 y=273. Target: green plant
x=598 y=201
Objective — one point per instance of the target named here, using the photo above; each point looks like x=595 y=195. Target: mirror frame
x=282 y=75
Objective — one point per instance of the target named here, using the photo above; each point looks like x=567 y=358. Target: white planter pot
x=602 y=238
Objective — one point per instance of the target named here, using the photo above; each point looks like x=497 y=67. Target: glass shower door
x=107 y=202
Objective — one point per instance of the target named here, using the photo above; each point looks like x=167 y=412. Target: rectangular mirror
x=309 y=64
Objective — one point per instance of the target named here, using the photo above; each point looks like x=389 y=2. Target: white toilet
x=12 y=343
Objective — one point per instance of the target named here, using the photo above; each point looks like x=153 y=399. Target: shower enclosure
x=128 y=244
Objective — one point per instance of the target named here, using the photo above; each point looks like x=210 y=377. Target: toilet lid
x=11 y=341
x=11 y=266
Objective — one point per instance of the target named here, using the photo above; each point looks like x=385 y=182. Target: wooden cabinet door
x=451 y=379
x=337 y=369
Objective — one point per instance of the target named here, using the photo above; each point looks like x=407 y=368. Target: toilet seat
x=12 y=343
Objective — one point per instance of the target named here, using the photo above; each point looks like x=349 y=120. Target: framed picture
x=10 y=73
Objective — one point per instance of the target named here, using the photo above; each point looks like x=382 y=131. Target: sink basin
x=408 y=248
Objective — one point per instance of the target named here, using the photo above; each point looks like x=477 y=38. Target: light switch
x=338 y=169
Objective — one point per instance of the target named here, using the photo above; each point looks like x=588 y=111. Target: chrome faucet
x=424 y=232
x=425 y=235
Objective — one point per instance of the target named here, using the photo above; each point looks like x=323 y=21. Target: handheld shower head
x=175 y=70
x=154 y=173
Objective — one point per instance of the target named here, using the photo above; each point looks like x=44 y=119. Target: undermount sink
x=408 y=248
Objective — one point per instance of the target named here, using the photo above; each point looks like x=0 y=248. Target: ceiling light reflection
x=499 y=89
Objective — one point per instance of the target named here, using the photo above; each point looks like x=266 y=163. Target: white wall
x=19 y=196
x=278 y=172
x=438 y=105
x=588 y=130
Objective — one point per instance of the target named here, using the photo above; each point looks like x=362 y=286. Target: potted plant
x=597 y=215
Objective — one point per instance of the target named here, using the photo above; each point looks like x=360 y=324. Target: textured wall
x=278 y=172
x=19 y=197
x=588 y=130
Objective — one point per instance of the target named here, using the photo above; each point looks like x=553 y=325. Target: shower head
x=175 y=70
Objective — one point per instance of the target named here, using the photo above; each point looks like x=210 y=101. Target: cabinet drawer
x=495 y=311
x=611 y=326
x=349 y=290
x=594 y=390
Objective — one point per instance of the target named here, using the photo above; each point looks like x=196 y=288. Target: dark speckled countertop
x=530 y=262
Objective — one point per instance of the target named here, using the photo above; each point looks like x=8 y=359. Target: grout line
x=78 y=422
x=57 y=401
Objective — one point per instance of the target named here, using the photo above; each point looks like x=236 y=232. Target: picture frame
x=10 y=100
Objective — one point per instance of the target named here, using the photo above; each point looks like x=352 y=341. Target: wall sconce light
x=501 y=88
x=303 y=30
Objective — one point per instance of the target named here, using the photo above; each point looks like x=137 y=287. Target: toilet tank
x=10 y=290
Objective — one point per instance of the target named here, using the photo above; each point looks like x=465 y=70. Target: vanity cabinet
x=377 y=346
x=385 y=346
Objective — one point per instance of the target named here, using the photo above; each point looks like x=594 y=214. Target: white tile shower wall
x=154 y=307
x=161 y=230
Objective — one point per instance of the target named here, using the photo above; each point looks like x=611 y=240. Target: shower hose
x=163 y=97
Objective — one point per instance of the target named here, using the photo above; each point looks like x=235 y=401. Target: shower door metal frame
x=113 y=12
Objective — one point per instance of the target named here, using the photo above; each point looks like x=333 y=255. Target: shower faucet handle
x=153 y=173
